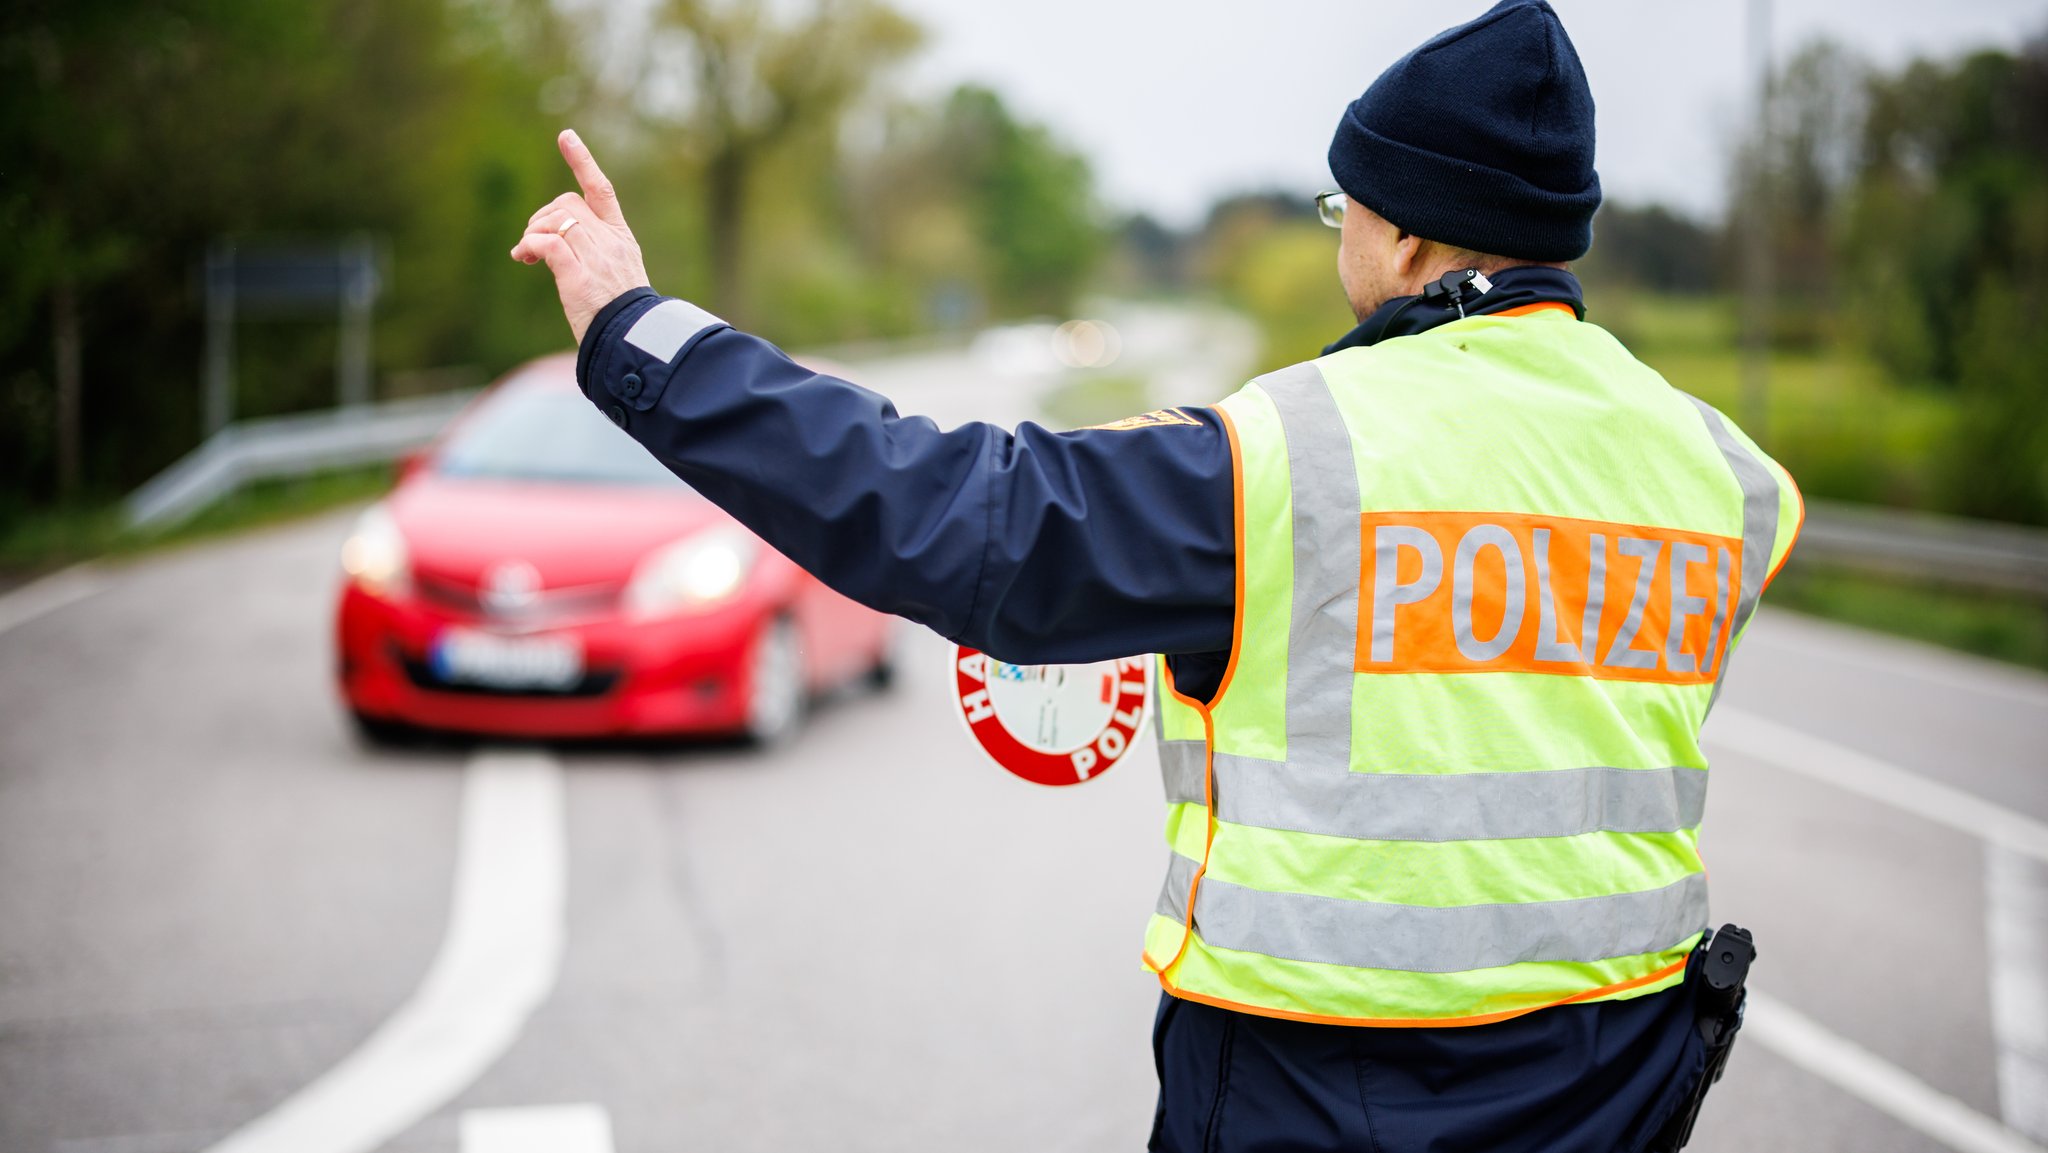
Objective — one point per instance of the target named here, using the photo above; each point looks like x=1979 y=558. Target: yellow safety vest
x=1488 y=581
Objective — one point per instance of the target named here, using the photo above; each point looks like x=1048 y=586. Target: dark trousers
x=1596 y=1078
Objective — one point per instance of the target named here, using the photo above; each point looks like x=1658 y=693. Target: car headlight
x=374 y=555
x=699 y=571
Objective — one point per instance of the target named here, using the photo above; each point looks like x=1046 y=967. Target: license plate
x=464 y=656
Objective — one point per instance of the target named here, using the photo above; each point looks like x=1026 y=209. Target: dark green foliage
x=1652 y=248
x=137 y=134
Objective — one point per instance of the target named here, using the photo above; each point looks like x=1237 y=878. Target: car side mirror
x=411 y=463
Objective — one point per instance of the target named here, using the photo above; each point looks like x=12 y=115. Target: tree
x=1033 y=203
x=761 y=80
x=1790 y=181
x=1651 y=247
x=986 y=214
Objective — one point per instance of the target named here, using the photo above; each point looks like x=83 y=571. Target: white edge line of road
x=47 y=595
x=496 y=965
x=2016 y=933
x=1798 y=1039
x=1823 y=760
x=536 y=1129
x=1808 y=1044
x=1908 y=658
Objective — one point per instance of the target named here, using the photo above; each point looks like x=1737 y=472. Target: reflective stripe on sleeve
x=663 y=330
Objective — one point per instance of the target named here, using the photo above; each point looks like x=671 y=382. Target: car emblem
x=511 y=587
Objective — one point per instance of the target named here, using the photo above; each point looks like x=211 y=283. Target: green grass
x=2007 y=628
x=51 y=538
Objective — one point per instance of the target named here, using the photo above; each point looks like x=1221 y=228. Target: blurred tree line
x=767 y=166
x=1905 y=223
x=1905 y=217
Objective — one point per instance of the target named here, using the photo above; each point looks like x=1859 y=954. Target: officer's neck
x=1510 y=288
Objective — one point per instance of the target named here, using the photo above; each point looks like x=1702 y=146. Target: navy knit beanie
x=1482 y=139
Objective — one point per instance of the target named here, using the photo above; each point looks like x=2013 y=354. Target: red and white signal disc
x=1052 y=724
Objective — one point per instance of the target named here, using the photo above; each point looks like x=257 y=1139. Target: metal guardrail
x=1967 y=553
x=282 y=446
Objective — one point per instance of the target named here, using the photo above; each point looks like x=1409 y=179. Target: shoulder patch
x=1157 y=418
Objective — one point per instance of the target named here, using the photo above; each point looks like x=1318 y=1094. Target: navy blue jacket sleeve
x=1032 y=545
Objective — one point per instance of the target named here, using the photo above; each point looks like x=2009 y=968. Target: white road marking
x=537 y=1129
x=2016 y=896
x=49 y=594
x=1860 y=773
x=496 y=965
x=1879 y=1083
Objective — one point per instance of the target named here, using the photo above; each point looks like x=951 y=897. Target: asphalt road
x=211 y=896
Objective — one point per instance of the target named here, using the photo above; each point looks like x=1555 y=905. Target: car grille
x=551 y=608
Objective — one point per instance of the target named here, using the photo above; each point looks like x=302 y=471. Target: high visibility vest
x=1489 y=578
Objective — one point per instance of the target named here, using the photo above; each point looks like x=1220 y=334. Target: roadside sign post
x=272 y=282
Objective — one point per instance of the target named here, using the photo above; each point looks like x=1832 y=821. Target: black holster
x=1715 y=972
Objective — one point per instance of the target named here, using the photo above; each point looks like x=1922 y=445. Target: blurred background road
x=867 y=939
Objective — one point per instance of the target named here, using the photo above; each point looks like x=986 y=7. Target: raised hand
x=584 y=240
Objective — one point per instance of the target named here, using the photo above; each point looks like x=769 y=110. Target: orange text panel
x=1509 y=592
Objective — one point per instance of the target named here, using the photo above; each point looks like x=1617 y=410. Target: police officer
x=1442 y=614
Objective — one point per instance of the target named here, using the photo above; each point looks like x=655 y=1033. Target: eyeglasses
x=1330 y=208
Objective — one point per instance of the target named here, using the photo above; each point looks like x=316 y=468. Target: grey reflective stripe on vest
x=1422 y=939
x=1322 y=637
x=1759 y=526
x=1428 y=939
x=1173 y=895
x=1184 y=765
x=1336 y=802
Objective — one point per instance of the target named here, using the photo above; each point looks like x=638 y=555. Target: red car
x=537 y=574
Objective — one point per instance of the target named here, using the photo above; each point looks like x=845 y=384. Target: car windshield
x=546 y=434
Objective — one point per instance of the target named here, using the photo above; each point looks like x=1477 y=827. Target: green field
x=55 y=537
x=1845 y=429
x=2003 y=627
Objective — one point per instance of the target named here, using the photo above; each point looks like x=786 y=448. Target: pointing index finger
x=597 y=189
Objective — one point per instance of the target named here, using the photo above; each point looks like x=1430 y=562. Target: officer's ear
x=1407 y=253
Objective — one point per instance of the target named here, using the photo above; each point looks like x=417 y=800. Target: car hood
x=457 y=529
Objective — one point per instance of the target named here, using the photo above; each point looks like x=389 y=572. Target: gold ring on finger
x=563 y=228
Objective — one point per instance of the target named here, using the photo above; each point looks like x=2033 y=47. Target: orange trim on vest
x=1237 y=532
x=1797 y=527
x=1187 y=931
x=1415 y=1022
x=1544 y=306
x=1187 y=928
